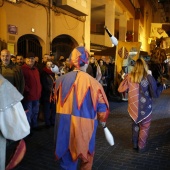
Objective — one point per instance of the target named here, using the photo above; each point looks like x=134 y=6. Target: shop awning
x=109 y=51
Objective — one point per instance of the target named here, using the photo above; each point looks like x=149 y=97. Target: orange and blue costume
x=81 y=103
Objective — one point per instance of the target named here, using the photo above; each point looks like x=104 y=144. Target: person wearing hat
x=32 y=90
x=11 y=72
x=81 y=103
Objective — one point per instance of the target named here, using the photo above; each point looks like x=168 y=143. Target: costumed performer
x=81 y=103
x=141 y=87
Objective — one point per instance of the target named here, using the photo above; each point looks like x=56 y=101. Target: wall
x=3 y=24
x=25 y=17
x=63 y=24
x=97 y=39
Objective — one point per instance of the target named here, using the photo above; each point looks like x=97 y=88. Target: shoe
x=47 y=126
x=135 y=146
x=37 y=128
x=124 y=99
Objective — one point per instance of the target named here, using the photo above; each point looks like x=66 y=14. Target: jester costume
x=140 y=106
x=81 y=103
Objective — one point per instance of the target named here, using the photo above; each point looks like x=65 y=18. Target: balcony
x=76 y=7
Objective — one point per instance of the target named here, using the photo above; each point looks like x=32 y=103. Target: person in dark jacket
x=11 y=72
x=42 y=64
x=104 y=72
x=90 y=70
x=47 y=97
x=96 y=68
x=110 y=77
x=32 y=90
x=142 y=87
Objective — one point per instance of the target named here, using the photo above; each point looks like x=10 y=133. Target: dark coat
x=47 y=81
x=90 y=70
x=18 y=78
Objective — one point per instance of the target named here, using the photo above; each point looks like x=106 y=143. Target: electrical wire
x=29 y=4
x=68 y=26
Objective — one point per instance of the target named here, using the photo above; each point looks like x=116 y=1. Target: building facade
x=57 y=26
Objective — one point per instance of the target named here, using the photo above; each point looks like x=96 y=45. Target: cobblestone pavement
x=121 y=156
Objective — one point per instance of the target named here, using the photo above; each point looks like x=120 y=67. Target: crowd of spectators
x=35 y=80
x=102 y=70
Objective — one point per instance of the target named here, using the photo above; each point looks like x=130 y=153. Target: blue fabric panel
x=93 y=138
x=68 y=80
x=145 y=108
x=83 y=57
x=101 y=107
x=66 y=162
x=86 y=110
x=63 y=134
x=154 y=89
x=148 y=89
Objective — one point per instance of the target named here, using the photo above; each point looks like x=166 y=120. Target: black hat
x=30 y=55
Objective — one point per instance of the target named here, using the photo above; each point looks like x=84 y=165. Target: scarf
x=47 y=70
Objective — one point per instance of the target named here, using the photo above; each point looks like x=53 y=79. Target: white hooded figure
x=13 y=121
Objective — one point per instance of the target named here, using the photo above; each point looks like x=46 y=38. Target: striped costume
x=140 y=105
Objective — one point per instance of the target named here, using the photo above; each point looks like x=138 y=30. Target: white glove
x=150 y=72
x=103 y=124
x=123 y=76
x=164 y=86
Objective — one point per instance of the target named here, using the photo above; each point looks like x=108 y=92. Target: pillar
x=136 y=30
x=86 y=36
x=109 y=20
x=130 y=28
x=122 y=27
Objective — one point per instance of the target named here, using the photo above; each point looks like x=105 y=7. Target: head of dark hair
x=30 y=55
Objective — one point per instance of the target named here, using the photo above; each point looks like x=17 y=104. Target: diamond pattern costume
x=81 y=102
x=140 y=105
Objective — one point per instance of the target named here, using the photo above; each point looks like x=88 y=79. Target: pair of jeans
x=32 y=108
x=49 y=109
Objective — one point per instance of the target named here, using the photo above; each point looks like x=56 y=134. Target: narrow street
x=121 y=156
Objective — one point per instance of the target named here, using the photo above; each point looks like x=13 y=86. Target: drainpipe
x=49 y=24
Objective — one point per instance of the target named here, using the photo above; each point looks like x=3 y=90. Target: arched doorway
x=29 y=43
x=62 y=45
x=3 y=45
